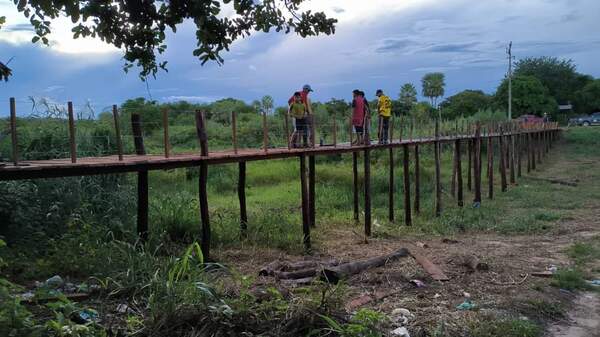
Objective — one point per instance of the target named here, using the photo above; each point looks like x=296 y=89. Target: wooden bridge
x=515 y=141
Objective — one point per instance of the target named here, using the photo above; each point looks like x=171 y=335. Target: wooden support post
x=72 y=143
x=311 y=190
x=391 y=185
x=502 y=161
x=138 y=138
x=519 y=153
x=313 y=130
x=167 y=145
x=202 y=182
x=477 y=165
x=438 y=173
x=334 y=132
x=459 y=180
x=265 y=133
x=417 y=204
x=241 y=188
x=305 y=206
x=13 y=131
x=528 y=150
x=367 y=163
x=355 y=184
x=351 y=132
x=532 y=152
x=511 y=147
x=470 y=164
x=490 y=167
x=407 y=211
x=234 y=132
x=538 y=146
x=142 y=179
x=453 y=179
x=118 y=132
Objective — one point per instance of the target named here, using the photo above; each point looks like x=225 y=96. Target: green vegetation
x=570 y=279
x=506 y=328
x=583 y=253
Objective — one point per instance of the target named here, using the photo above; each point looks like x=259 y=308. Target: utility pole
x=510 y=58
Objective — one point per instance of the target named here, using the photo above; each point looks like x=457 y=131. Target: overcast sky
x=378 y=44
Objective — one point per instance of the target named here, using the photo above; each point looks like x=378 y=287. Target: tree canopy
x=407 y=98
x=587 y=100
x=558 y=75
x=433 y=86
x=139 y=27
x=5 y=71
x=465 y=103
x=529 y=96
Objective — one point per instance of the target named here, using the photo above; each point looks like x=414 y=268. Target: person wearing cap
x=384 y=110
x=297 y=110
x=306 y=89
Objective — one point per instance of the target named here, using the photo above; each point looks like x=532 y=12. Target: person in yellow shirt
x=384 y=109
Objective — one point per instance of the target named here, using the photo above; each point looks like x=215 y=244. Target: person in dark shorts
x=297 y=110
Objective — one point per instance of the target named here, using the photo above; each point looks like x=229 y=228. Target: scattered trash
x=568 y=292
x=418 y=283
x=401 y=331
x=437 y=296
x=69 y=288
x=402 y=315
x=552 y=268
x=27 y=296
x=54 y=282
x=123 y=309
x=466 y=305
x=85 y=316
x=476 y=205
x=466 y=295
x=595 y=283
x=422 y=245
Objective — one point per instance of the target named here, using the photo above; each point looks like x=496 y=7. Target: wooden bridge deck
x=31 y=169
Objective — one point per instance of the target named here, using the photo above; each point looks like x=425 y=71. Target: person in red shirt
x=360 y=116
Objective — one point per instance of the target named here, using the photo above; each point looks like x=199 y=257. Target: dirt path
x=584 y=319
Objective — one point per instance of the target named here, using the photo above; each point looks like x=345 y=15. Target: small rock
x=402 y=311
x=123 y=308
x=437 y=296
x=69 y=287
x=466 y=295
x=54 y=282
x=27 y=296
x=418 y=283
x=401 y=331
x=422 y=245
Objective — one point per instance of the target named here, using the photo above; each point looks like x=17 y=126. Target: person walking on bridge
x=306 y=89
x=384 y=110
x=359 y=116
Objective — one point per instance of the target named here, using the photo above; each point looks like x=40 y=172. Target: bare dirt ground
x=505 y=289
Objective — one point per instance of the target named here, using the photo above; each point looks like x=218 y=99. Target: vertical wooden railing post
x=265 y=132
x=234 y=131
x=407 y=210
x=519 y=152
x=118 y=132
x=490 y=167
x=470 y=163
x=167 y=145
x=13 y=131
x=477 y=165
x=241 y=189
x=528 y=150
x=391 y=185
x=417 y=203
x=438 y=173
x=305 y=206
x=202 y=182
x=502 y=161
x=367 y=173
x=142 y=179
x=334 y=132
x=311 y=190
x=72 y=143
x=355 y=185
x=459 y=180
x=511 y=145
x=538 y=146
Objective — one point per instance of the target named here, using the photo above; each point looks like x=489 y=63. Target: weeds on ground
x=583 y=253
x=569 y=279
x=506 y=328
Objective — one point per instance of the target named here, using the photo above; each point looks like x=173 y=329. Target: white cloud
x=201 y=99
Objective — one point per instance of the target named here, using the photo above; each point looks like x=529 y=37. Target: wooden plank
x=391 y=186
x=438 y=173
x=407 y=210
x=305 y=204
x=72 y=143
x=13 y=131
x=241 y=189
x=118 y=132
x=166 y=143
x=459 y=180
x=202 y=186
x=417 y=203
x=355 y=184
x=367 y=173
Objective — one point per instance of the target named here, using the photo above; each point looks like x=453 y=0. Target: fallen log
x=473 y=263
x=434 y=271
x=271 y=268
x=298 y=274
x=336 y=273
x=296 y=282
x=556 y=181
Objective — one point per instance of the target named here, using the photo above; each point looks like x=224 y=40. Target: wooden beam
x=367 y=172
x=459 y=180
x=311 y=190
x=241 y=189
x=438 y=173
x=72 y=143
x=202 y=185
x=13 y=131
x=391 y=186
x=118 y=132
x=417 y=203
x=407 y=210
x=355 y=184
x=305 y=203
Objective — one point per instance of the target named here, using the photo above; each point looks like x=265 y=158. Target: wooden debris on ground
x=368 y=298
x=474 y=264
x=433 y=270
x=337 y=273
